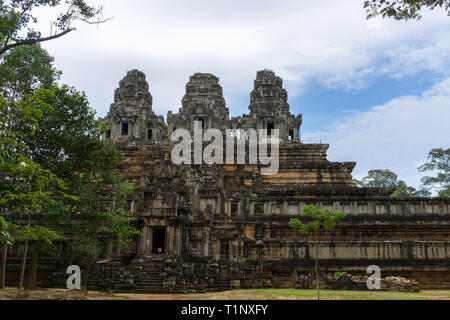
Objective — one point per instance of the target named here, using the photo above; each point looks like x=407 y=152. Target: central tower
x=203 y=102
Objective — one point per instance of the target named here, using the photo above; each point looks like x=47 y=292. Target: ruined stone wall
x=231 y=217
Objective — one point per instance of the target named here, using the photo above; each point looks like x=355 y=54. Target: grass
x=236 y=295
x=293 y=294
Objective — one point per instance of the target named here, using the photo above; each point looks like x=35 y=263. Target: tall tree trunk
x=31 y=285
x=317 y=274
x=86 y=279
x=24 y=258
x=22 y=268
x=3 y=266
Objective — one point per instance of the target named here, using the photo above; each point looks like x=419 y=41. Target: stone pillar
x=285 y=208
x=252 y=208
x=169 y=246
x=218 y=250
x=300 y=208
x=195 y=199
x=267 y=208
x=143 y=246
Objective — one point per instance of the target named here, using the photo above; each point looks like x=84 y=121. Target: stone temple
x=205 y=228
x=219 y=227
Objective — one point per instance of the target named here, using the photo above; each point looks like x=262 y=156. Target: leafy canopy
x=25 y=69
x=388 y=179
x=5 y=233
x=67 y=141
x=403 y=9
x=438 y=163
x=320 y=219
x=23 y=182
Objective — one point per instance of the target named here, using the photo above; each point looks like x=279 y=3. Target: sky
x=377 y=91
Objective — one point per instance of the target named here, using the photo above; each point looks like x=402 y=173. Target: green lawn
x=293 y=294
x=236 y=295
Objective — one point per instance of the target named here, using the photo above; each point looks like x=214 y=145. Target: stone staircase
x=151 y=275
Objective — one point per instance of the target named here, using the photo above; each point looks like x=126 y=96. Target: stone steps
x=151 y=277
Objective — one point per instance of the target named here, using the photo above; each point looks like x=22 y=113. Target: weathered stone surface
x=269 y=108
x=131 y=117
x=204 y=103
x=345 y=281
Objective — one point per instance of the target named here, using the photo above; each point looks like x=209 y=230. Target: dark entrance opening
x=150 y=134
x=291 y=134
x=225 y=251
x=159 y=241
x=201 y=124
x=270 y=128
x=125 y=128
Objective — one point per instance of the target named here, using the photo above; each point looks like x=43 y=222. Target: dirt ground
x=270 y=294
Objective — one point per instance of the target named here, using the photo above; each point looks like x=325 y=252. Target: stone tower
x=269 y=108
x=203 y=102
x=131 y=116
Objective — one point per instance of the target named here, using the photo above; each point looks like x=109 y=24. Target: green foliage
x=439 y=163
x=404 y=191
x=403 y=9
x=8 y=24
x=388 y=179
x=18 y=18
x=5 y=232
x=50 y=144
x=36 y=233
x=66 y=141
x=25 y=69
x=67 y=138
x=379 y=179
x=320 y=219
x=23 y=182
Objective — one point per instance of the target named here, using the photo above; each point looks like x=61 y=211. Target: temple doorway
x=159 y=241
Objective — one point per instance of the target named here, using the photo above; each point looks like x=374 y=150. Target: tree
x=6 y=240
x=55 y=129
x=388 y=179
x=438 y=162
x=321 y=222
x=24 y=185
x=100 y=221
x=25 y=69
x=18 y=16
x=403 y=9
x=404 y=191
x=380 y=179
x=38 y=235
x=68 y=143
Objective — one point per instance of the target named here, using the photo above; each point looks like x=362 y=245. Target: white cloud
x=397 y=135
x=329 y=41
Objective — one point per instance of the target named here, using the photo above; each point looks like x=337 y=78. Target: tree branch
x=95 y=22
x=33 y=41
